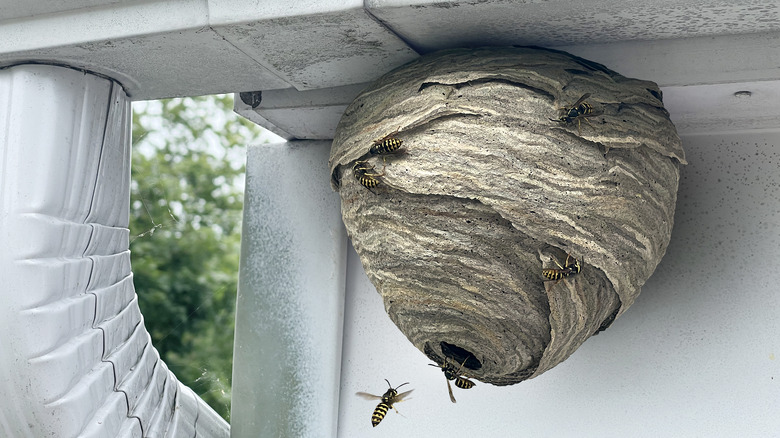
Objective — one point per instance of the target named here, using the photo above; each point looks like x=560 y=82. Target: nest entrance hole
x=460 y=355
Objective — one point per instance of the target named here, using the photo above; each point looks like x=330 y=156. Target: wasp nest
x=466 y=173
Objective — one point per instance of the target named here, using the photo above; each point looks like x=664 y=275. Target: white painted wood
x=303 y=115
x=191 y=47
x=726 y=108
x=343 y=46
x=169 y=48
x=429 y=25
x=178 y=48
x=287 y=354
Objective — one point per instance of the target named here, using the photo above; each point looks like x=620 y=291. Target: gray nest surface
x=491 y=186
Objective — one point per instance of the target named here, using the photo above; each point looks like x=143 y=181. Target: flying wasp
x=450 y=373
x=366 y=174
x=390 y=397
x=567 y=270
x=579 y=111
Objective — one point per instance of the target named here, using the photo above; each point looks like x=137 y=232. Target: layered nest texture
x=507 y=203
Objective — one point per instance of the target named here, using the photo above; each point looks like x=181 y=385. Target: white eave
x=309 y=58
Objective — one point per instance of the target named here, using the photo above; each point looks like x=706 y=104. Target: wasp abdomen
x=366 y=174
x=450 y=373
x=552 y=274
x=368 y=182
x=567 y=270
x=379 y=413
x=462 y=383
x=386 y=145
x=582 y=109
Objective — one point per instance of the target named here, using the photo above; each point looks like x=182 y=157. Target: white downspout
x=75 y=358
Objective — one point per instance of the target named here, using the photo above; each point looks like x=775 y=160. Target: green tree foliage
x=185 y=222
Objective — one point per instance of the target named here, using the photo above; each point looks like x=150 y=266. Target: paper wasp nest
x=495 y=182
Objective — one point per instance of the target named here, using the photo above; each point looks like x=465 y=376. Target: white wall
x=698 y=354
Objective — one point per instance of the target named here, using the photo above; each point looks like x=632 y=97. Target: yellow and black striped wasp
x=366 y=174
x=386 y=145
x=567 y=270
x=450 y=373
x=579 y=111
x=390 y=397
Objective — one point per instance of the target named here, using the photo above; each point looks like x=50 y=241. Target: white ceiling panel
x=429 y=26
x=322 y=50
x=168 y=48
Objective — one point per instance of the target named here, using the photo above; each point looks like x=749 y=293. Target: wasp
x=579 y=111
x=390 y=397
x=366 y=174
x=450 y=373
x=567 y=270
x=386 y=145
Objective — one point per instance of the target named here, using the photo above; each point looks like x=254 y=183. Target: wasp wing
x=400 y=397
x=593 y=113
x=368 y=396
x=580 y=100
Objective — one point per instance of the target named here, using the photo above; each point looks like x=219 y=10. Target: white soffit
x=154 y=49
x=192 y=47
x=290 y=49
x=292 y=114
x=427 y=25
x=311 y=44
x=322 y=50
x=705 y=109
x=10 y=9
